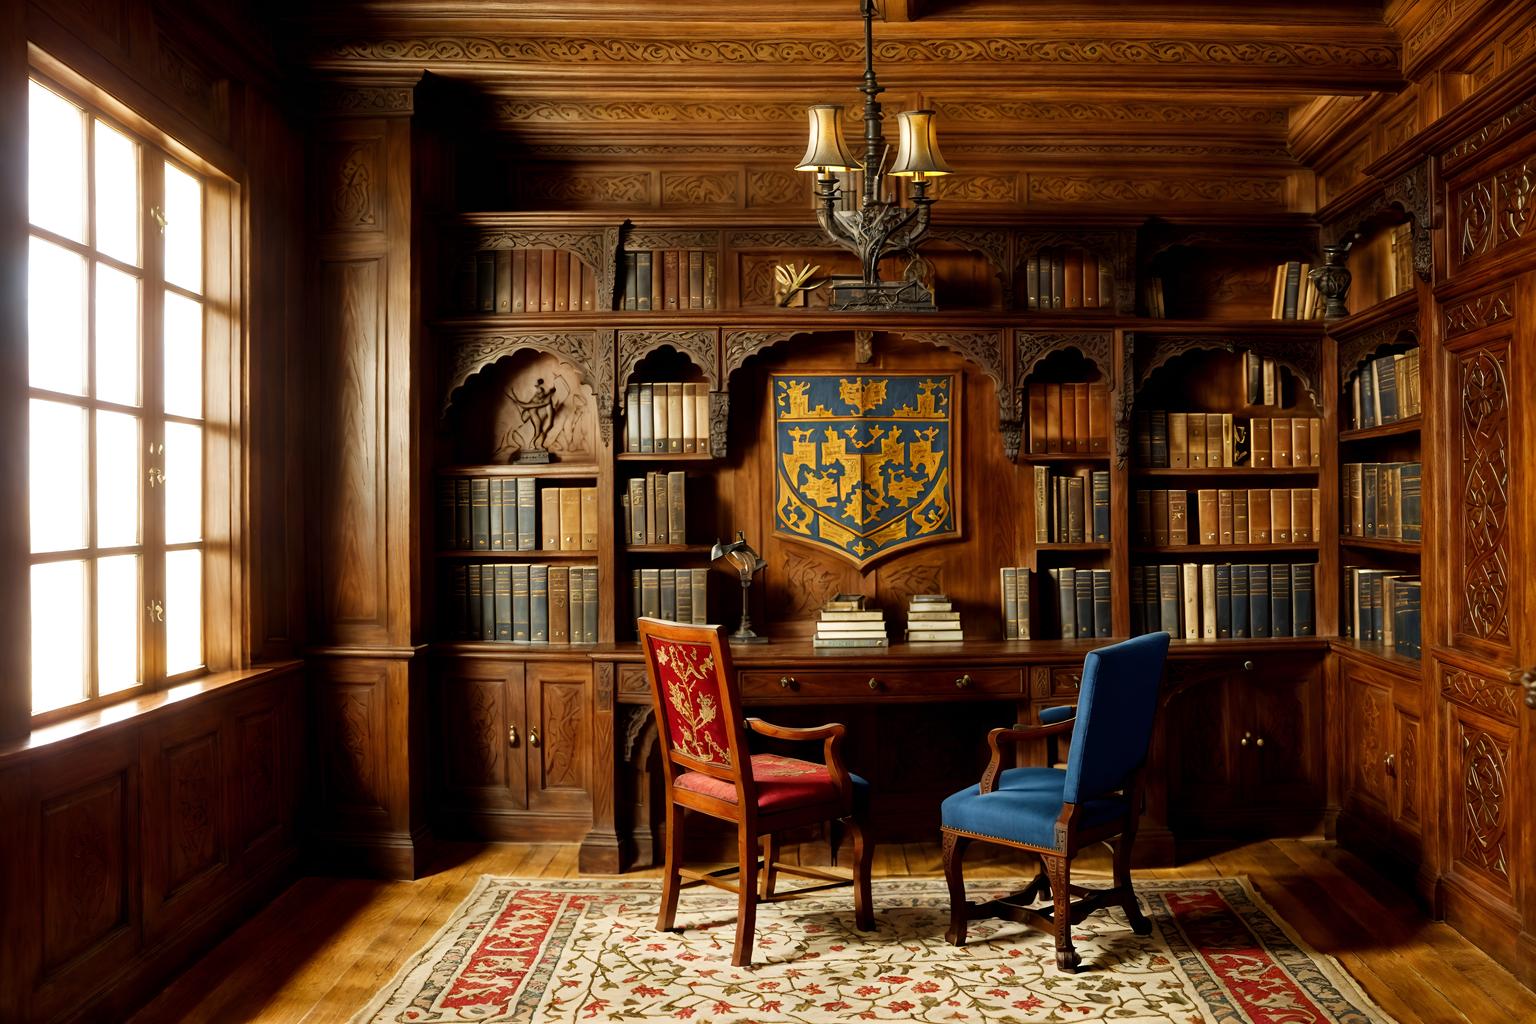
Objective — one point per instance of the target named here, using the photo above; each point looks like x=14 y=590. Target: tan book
x=675 y=418
x=562 y=288
x=657 y=485
x=1280 y=515
x=1317 y=515
x=1301 y=515
x=1224 y=516
x=570 y=519
x=651 y=508
x=1239 y=517
x=677 y=506
x=659 y=421
x=519 y=280
x=1178 y=440
x=1191 y=581
x=549 y=513
x=1037 y=428
x=1213 y=440
x=690 y=418
x=1258 y=516
x=559 y=604
x=701 y=420
x=1160 y=519
x=1178 y=517
x=1042 y=476
x=1301 y=441
x=1207 y=504
x=1315 y=441
x=546 y=280
x=533 y=261
x=1098 y=417
x=1053 y=418
x=1355 y=482
x=1082 y=431
x=588 y=518
x=1196 y=440
x=1208 y=601
x=1260 y=451
x=1391 y=499
x=1269 y=382
x=1227 y=430
x=1280 y=447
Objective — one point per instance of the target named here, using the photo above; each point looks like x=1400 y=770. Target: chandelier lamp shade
x=880 y=225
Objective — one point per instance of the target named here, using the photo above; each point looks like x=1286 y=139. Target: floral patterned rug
x=587 y=950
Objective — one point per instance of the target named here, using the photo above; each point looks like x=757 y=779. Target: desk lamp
x=747 y=564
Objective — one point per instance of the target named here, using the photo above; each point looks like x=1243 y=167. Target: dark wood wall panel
x=87 y=869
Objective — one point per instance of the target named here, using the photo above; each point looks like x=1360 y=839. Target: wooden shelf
x=1221 y=549
x=664 y=457
x=1064 y=456
x=1378 y=654
x=1224 y=471
x=1089 y=546
x=520 y=556
x=1381 y=312
x=1411 y=425
x=553 y=470
x=668 y=549
x=1403 y=547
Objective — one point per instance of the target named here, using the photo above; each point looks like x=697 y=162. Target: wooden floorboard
x=319 y=951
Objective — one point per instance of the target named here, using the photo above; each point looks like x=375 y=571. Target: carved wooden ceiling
x=1169 y=92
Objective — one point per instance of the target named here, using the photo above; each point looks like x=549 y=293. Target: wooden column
x=366 y=676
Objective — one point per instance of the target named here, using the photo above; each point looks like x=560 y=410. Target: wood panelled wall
x=134 y=839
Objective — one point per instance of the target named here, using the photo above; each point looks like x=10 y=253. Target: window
x=117 y=318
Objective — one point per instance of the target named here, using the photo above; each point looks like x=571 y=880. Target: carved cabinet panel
x=1480 y=793
x=1367 y=741
x=559 y=736
x=1382 y=770
x=186 y=815
x=482 y=736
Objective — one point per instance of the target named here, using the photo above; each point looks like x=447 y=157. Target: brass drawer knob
x=1247 y=666
x=533 y=737
x=874 y=684
x=963 y=682
x=788 y=683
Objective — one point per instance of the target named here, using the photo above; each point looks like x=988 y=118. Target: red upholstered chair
x=708 y=768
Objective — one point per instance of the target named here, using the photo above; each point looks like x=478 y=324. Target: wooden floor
x=321 y=949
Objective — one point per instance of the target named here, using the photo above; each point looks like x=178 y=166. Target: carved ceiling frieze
x=355 y=100
x=1513 y=118
x=993 y=111
x=1083 y=189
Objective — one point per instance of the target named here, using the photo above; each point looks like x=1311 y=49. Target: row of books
x=528 y=281
x=1068 y=279
x=1152 y=301
x=1385 y=390
x=1217 y=602
x=931 y=618
x=1071 y=509
x=1068 y=418
x=1216 y=440
x=679 y=595
x=665 y=279
x=845 y=622
x=1255 y=515
x=1261 y=380
x=539 y=604
x=1295 y=295
x=499 y=514
x=667 y=418
x=1383 y=499
x=656 y=508
x=1083 y=601
x=1382 y=606
x=1016 y=580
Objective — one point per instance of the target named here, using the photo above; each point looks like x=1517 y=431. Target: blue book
x=504 y=603
x=1385 y=372
x=472 y=603
x=1103 y=615
x=1099 y=492
x=1411 y=478
x=1168 y=603
x=1405 y=624
x=495 y=515
x=1368 y=416
x=1303 y=583
x=1082 y=583
x=1240 y=601
x=1370 y=481
x=1280 y=599
x=1378 y=620
x=1138 y=601
x=520 y=581
x=538 y=604
x=480 y=512
x=1258 y=601
x=1223 y=602
x=487 y=602
x=522 y=521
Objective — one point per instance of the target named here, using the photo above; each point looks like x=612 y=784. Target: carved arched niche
x=1113 y=248
x=482 y=425
x=1218 y=273
x=1161 y=358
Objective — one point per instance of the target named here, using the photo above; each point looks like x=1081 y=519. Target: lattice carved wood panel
x=1481 y=529
x=1480 y=797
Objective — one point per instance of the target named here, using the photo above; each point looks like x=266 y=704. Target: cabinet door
x=560 y=736
x=1200 y=748
x=1283 y=766
x=481 y=735
x=1407 y=771
x=1368 y=722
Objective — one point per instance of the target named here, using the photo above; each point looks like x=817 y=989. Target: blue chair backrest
x=1116 y=704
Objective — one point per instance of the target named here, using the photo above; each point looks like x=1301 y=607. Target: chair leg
x=834 y=839
x=746 y=899
x=863 y=857
x=1060 y=870
x=671 y=881
x=771 y=851
x=1128 y=902
x=954 y=854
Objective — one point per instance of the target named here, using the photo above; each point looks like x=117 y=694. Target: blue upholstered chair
x=1053 y=813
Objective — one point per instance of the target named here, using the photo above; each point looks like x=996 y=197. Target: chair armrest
x=831 y=734
x=1017 y=734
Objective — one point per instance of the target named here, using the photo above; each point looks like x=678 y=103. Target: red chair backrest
x=698 y=715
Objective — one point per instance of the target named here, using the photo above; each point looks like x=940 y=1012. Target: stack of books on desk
x=845 y=623
x=930 y=618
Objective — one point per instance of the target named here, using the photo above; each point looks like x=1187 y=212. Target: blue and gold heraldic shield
x=865 y=465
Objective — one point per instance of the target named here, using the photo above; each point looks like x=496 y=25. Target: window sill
x=98 y=721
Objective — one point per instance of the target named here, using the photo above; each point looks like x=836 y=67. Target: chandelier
x=880 y=226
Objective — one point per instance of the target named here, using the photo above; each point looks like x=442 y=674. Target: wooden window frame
x=224 y=470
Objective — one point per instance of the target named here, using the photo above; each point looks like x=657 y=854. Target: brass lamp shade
x=917 y=151
x=827 y=151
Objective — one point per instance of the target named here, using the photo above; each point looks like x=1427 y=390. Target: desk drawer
x=791 y=685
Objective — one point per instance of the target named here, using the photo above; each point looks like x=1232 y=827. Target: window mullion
x=152 y=377
x=92 y=597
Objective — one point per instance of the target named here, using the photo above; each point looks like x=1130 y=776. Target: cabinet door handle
x=1244 y=741
x=874 y=684
x=1389 y=765
x=788 y=683
x=1528 y=680
x=512 y=736
x=1247 y=666
x=1259 y=742
x=533 y=737
x=963 y=682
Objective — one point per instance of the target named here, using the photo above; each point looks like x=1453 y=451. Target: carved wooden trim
x=1481 y=534
x=1125 y=400
x=1029 y=347
x=719 y=422
x=604 y=691
x=743 y=345
x=1491 y=697
x=596 y=247
x=697 y=345
x=1495 y=212
x=473 y=353
x=1408 y=192
x=1469 y=147
x=1482 y=803
x=642 y=239
x=1477 y=312
x=779 y=238
x=985 y=350
x=361 y=100
x=1300 y=356
x=638 y=717
x=991 y=243
x=1116 y=246
x=1353 y=352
